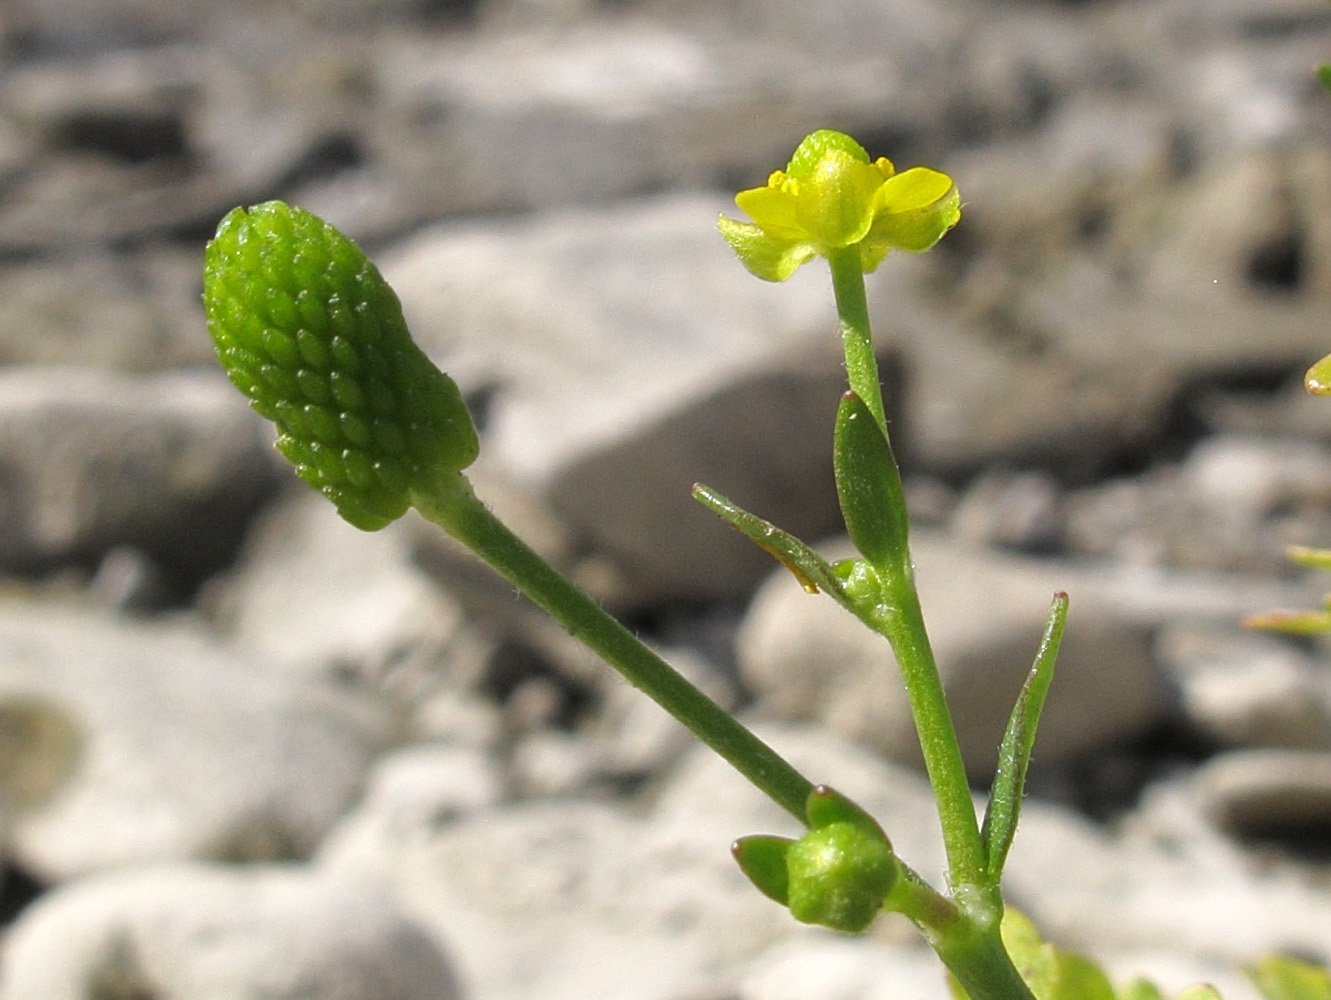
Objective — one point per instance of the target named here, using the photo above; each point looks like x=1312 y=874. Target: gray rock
x=214 y=933
x=134 y=312
x=173 y=464
x=1247 y=689
x=186 y=750
x=806 y=658
x=314 y=595
x=1267 y=793
x=415 y=790
x=1021 y=511
x=1234 y=503
x=1104 y=894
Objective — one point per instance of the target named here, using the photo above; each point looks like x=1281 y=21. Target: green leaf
x=1051 y=973
x=1324 y=75
x=869 y=485
x=812 y=571
x=762 y=858
x=1141 y=989
x=1014 y=754
x=1280 y=978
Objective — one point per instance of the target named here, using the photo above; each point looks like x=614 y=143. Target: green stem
x=902 y=622
x=454 y=507
x=856 y=334
x=975 y=955
x=898 y=617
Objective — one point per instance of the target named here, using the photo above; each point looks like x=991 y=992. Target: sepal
x=762 y=859
x=869 y=485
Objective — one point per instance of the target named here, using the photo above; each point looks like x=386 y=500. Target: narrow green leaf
x=1306 y=556
x=1280 y=978
x=1014 y=753
x=809 y=568
x=869 y=485
x=1324 y=75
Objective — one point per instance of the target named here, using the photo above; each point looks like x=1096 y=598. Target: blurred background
x=246 y=751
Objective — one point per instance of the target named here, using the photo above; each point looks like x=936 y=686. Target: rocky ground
x=247 y=751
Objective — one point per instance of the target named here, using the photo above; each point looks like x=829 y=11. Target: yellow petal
x=916 y=208
x=774 y=210
x=912 y=189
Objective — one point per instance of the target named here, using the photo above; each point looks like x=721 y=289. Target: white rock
x=820 y=966
x=315 y=595
x=1253 y=477
x=566 y=899
x=186 y=750
x=213 y=933
x=412 y=791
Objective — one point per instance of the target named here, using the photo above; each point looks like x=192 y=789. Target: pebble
x=211 y=932
x=185 y=751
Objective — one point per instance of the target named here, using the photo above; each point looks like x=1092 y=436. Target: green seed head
x=308 y=329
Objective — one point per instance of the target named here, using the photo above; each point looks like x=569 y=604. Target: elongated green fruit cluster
x=308 y=329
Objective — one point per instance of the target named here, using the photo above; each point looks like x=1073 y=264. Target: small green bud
x=839 y=876
x=307 y=328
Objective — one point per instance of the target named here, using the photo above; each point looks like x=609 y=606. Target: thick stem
x=983 y=967
x=454 y=507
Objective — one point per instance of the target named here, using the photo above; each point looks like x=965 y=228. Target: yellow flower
x=830 y=196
